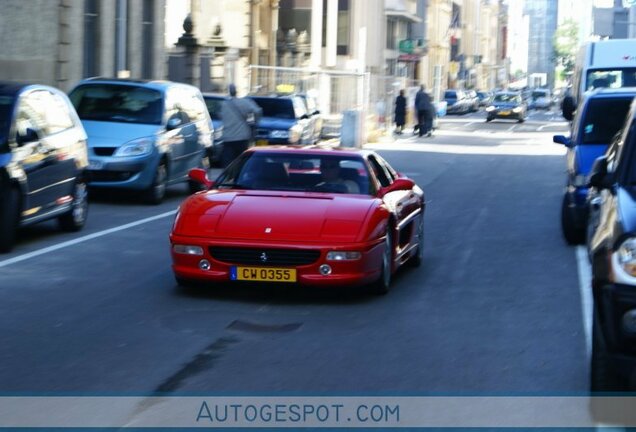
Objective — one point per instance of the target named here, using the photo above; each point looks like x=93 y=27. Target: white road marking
x=83 y=239
x=585 y=285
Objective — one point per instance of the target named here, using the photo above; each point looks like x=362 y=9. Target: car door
x=49 y=173
x=175 y=139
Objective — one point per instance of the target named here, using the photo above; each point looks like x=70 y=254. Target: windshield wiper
x=233 y=186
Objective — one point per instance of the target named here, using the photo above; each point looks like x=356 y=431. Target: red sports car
x=310 y=215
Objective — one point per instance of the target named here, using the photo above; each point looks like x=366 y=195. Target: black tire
x=603 y=377
x=75 y=218
x=417 y=259
x=157 y=190
x=521 y=120
x=488 y=119
x=9 y=218
x=383 y=284
x=573 y=235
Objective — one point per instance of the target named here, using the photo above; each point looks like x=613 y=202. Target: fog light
x=629 y=321
x=343 y=256
x=205 y=265
x=325 y=270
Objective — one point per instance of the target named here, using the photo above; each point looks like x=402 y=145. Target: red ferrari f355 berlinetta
x=305 y=215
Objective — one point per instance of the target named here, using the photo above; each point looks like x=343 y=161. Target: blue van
x=600 y=116
x=142 y=135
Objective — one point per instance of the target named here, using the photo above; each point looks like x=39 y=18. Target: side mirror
x=304 y=116
x=200 y=176
x=398 y=184
x=316 y=112
x=599 y=177
x=568 y=107
x=173 y=123
x=562 y=139
x=29 y=135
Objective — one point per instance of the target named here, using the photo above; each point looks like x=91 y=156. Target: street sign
x=406 y=46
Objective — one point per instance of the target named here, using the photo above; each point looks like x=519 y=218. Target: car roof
x=160 y=85
x=312 y=150
x=14 y=88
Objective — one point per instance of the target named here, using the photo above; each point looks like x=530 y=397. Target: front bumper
x=136 y=172
x=505 y=114
x=344 y=273
x=612 y=303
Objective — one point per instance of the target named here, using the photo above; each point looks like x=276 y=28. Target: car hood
x=273 y=216
x=586 y=154
x=275 y=123
x=114 y=134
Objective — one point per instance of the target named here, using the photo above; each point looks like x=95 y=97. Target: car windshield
x=539 y=94
x=450 y=95
x=603 y=118
x=276 y=107
x=118 y=103
x=507 y=97
x=6 y=108
x=214 y=107
x=296 y=172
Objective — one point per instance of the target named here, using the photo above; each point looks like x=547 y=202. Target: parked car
x=279 y=215
x=43 y=156
x=506 y=105
x=540 y=98
x=473 y=100
x=142 y=135
x=214 y=102
x=284 y=121
x=599 y=117
x=612 y=251
x=315 y=116
x=485 y=98
x=457 y=102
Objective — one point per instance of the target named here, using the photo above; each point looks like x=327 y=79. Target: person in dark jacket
x=424 y=110
x=400 y=112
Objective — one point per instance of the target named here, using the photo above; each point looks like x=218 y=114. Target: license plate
x=95 y=164
x=262 y=142
x=262 y=274
x=504 y=112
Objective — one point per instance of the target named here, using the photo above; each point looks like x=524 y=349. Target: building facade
x=542 y=22
x=76 y=39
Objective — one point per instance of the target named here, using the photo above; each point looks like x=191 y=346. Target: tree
x=565 y=44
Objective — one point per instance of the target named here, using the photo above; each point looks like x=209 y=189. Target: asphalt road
x=495 y=308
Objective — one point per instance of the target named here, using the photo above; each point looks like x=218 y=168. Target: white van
x=607 y=63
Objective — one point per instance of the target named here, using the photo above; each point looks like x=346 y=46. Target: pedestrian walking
x=424 y=109
x=400 y=113
x=239 y=117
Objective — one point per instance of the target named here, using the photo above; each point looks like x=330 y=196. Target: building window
x=456 y=21
x=147 y=26
x=91 y=39
x=391 y=29
x=344 y=26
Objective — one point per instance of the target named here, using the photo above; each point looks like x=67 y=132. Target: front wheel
x=9 y=218
x=157 y=191
x=383 y=284
x=75 y=218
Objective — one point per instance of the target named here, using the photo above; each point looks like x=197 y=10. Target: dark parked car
x=214 y=102
x=42 y=160
x=142 y=135
x=598 y=118
x=284 y=121
x=507 y=105
x=612 y=251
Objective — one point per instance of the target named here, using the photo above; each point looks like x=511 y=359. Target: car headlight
x=294 y=133
x=490 y=108
x=218 y=133
x=343 y=256
x=624 y=262
x=279 y=134
x=137 y=147
x=187 y=249
x=516 y=110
